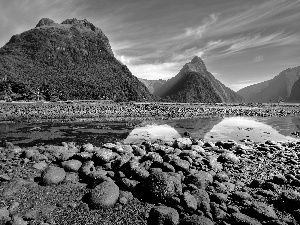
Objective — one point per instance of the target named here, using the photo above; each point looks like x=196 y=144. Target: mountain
x=295 y=92
x=195 y=84
x=251 y=90
x=153 y=85
x=71 y=60
x=274 y=90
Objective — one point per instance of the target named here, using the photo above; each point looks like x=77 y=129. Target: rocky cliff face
x=274 y=90
x=71 y=60
x=152 y=85
x=195 y=84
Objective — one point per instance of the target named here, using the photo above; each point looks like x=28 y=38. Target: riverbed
x=257 y=129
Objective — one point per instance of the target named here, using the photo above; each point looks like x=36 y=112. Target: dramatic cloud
x=156 y=38
x=238 y=44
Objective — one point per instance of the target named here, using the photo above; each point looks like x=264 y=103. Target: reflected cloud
x=153 y=132
x=214 y=129
x=208 y=129
x=256 y=129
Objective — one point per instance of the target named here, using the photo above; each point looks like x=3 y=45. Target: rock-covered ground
x=110 y=111
x=182 y=182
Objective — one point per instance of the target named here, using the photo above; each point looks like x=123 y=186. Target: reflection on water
x=209 y=129
x=152 y=132
x=256 y=129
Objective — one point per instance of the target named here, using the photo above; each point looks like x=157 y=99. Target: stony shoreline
x=187 y=181
x=108 y=111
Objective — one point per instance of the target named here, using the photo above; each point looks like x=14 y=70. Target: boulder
x=239 y=218
x=87 y=148
x=183 y=143
x=125 y=196
x=139 y=173
x=71 y=165
x=86 y=168
x=60 y=153
x=203 y=200
x=40 y=165
x=128 y=184
x=196 y=220
x=72 y=177
x=163 y=186
x=104 y=155
x=241 y=196
x=121 y=160
x=137 y=151
x=103 y=195
x=98 y=176
x=38 y=157
x=53 y=175
x=190 y=201
x=228 y=157
x=261 y=211
x=180 y=164
x=161 y=215
x=198 y=149
x=4 y=215
x=200 y=179
x=154 y=157
x=17 y=220
x=84 y=156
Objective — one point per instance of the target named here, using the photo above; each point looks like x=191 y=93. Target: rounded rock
x=161 y=215
x=71 y=165
x=163 y=186
x=53 y=175
x=196 y=220
x=103 y=195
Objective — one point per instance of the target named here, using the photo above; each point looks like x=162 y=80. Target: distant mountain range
x=283 y=87
x=153 y=85
x=71 y=60
x=195 y=84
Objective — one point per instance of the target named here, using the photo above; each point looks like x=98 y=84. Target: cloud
x=237 y=32
x=243 y=83
x=272 y=12
x=221 y=48
x=259 y=58
x=155 y=71
x=200 y=30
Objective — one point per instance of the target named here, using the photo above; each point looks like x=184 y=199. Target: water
x=209 y=129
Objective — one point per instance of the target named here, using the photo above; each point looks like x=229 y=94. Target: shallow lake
x=209 y=129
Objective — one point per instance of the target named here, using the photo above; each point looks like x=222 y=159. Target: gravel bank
x=182 y=182
x=80 y=111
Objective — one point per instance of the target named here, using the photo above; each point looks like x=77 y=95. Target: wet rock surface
x=151 y=183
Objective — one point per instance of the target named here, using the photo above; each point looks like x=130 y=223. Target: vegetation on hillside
x=72 y=60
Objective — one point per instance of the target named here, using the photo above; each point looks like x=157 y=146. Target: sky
x=242 y=42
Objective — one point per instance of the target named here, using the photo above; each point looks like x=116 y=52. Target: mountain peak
x=196 y=65
x=45 y=22
x=82 y=24
x=197 y=59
